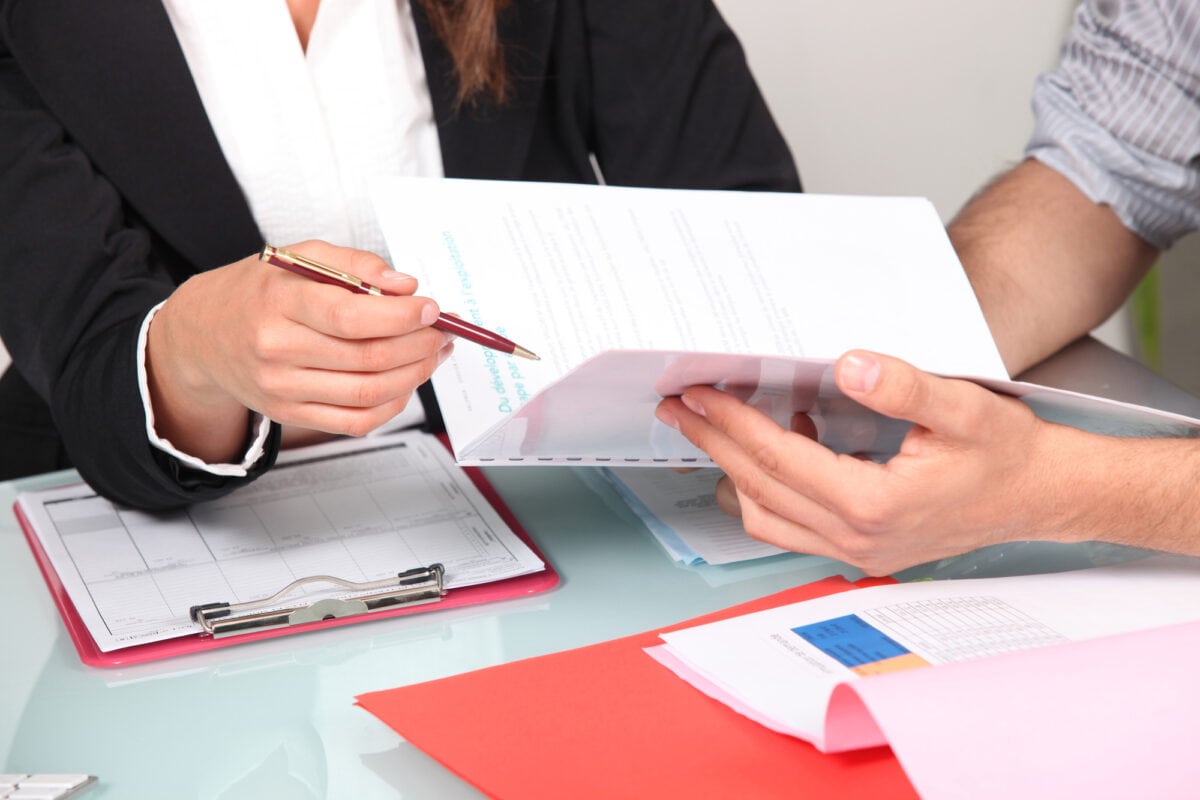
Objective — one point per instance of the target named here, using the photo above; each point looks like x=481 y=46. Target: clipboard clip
x=409 y=588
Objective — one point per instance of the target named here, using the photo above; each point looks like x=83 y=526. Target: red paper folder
x=91 y=655
x=607 y=721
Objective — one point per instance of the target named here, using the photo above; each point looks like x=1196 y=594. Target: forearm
x=1137 y=492
x=1047 y=264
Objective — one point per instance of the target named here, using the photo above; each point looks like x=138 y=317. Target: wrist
x=173 y=372
x=185 y=408
x=1073 y=483
x=1138 y=492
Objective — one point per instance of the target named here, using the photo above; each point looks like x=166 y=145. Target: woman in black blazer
x=114 y=189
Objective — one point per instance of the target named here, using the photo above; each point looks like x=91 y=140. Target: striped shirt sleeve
x=1120 y=116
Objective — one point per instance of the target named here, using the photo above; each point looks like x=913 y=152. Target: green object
x=1143 y=304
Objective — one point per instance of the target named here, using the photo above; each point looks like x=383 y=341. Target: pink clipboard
x=91 y=655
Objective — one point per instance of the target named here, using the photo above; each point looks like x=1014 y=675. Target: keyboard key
x=35 y=793
x=44 y=786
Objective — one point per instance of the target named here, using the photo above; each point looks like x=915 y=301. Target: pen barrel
x=312 y=275
x=321 y=273
x=474 y=333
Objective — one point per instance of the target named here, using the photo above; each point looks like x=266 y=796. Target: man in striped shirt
x=1111 y=178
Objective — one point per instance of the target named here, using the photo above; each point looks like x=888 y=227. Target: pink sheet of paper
x=1110 y=717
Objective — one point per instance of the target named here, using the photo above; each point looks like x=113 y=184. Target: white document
x=681 y=510
x=357 y=509
x=780 y=666
x=573 y=271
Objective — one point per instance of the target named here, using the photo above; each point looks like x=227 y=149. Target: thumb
x=899 y=390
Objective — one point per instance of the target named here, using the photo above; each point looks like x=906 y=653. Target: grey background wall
x=928 y=97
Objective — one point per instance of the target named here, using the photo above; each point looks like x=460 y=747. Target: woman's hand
x=251 y=336
x=975 y=469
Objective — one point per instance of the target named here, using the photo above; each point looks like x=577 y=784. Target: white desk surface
x=277 y=718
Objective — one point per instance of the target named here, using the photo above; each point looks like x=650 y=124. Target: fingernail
x=445 y=352
x=727 y=498
x=666 y=418
x=858 y=373
x=429 y=314
x=693 y=405
x=393 y=276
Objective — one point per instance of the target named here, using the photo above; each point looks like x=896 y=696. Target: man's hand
x=975 y=469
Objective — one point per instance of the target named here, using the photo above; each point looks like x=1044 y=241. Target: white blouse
x=305 y=131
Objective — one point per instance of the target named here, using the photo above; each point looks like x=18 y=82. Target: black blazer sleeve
x=80 y=274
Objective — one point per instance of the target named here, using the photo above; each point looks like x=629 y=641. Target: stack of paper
x=629 y=295
x=651 y=287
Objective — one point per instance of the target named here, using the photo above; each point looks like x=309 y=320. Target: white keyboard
x=43 y=787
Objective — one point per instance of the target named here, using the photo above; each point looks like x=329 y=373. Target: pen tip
x=523 y=353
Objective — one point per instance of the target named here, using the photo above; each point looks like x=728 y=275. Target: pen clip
x=306 y=267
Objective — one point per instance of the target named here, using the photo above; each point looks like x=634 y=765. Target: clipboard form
x=222 y=624
x=608 y=721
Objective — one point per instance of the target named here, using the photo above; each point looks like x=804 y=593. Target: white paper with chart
x=781 y=666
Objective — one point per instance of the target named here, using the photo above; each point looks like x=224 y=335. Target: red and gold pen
x=321 y=273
